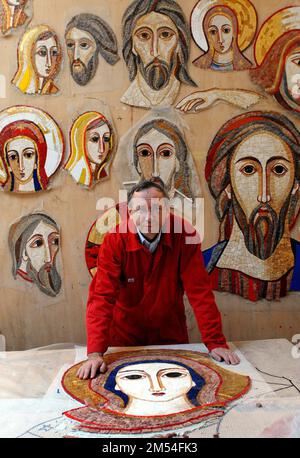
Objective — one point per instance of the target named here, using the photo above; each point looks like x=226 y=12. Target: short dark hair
x=156 y=183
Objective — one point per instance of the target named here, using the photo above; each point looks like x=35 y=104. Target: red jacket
x=136 y=298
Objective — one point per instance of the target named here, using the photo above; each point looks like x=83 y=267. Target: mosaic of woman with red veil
x=26 y=167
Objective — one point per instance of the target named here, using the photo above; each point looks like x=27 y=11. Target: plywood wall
x=27 y=317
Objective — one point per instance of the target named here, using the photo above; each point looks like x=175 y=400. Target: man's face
x=292 y=72
x=149 y=210
x=82 y=52
x=154 y=382
x=40 y=254
x=262 y=175
x=157 y=157
x=155 y=42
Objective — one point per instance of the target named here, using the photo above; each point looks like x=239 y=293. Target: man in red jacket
x=144 y=267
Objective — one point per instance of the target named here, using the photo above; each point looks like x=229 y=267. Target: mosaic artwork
x=223 y=30
x=106 y=221
x=92 y=143
x=34 y=243
x=86 y=37
x=159 y=150
x=150 y=390
x=277 y=54
x=14 y=14
x=201 y=100
x=156 y=41
x=31 y=149
x=252 y=171
x=39 y=61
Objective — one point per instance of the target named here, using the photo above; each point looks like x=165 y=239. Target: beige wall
x=28 y=318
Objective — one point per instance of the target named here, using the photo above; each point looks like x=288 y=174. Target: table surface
x=31 y=397
x=37 y=368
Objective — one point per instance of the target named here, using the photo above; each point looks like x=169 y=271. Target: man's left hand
x=223 y=354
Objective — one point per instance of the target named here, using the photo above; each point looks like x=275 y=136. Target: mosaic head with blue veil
x=153 y=390
x=155 y=381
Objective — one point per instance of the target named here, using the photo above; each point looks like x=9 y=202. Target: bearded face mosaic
x=39 y=61
x=277 y=54
x=156 y=41
x=86 y=37
x=150 y=390
x=31 y=149
x=223 y=30
x=252 y=171
x=92 y=142
x=34 y=243
x=14 y=14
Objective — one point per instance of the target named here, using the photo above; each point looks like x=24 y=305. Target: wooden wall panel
x=26 y=318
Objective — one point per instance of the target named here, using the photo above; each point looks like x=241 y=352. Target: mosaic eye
x=166 y=34
x=226 y=29
x=248 y=169
x=144 y=35
x=55 y=241
x=296 y=61
x=70 y=44
x=106 y=138
x=42 y=52
x=166 y=153
x=37 y=243
x=94 y=139
x=279 y=169
x=13 y=157
x=213 y=32
x=144 y=153
x=174 y=374
x=133 y=377
x=54 y=52
x=28 y=154
x=84 y=45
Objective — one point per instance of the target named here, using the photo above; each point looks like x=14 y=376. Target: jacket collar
x=133 y=242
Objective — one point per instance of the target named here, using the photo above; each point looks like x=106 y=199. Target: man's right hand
x=92 y=366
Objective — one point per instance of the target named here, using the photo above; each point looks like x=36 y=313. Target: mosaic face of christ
x=262 y=180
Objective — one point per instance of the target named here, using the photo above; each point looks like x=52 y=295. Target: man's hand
x=223 y=354
x=90 y=368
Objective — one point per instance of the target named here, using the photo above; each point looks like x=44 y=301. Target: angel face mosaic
x=39 y=61
x=31 y=149
x=34 y=243
x=223 y=30
x=14 y=14
x=277 y=54
x=253 y=173
x=86 y=37
x=156 y=43
x=151 y=390
x=92 y=143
